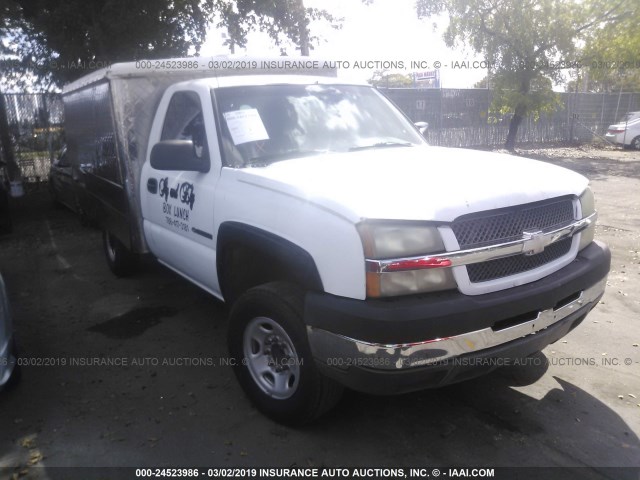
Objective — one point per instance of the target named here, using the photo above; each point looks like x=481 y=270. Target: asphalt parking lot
x=130 y=372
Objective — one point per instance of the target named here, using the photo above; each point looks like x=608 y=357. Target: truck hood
x=415 y=183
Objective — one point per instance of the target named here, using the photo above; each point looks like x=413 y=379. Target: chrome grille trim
x=507 y=266
x=490 y=252
x=500 y=226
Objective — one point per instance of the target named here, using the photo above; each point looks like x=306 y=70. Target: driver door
x=178 y=205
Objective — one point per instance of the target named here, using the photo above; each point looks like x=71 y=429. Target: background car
x=626 y=132
x=61 y=182
x=9 y=369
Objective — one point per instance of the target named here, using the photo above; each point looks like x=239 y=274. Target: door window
x=184 y=121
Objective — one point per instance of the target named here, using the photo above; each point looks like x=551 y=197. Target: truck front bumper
x=412 y=343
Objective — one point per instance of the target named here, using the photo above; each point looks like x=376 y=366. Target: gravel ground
x=580 y=408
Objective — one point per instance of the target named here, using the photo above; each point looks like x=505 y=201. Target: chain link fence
x=457 y=118
x=463 y=118
x=35 y=124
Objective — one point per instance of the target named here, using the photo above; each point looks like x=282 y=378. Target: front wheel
x=122 y=262
x=635 y=143
x=271 y=357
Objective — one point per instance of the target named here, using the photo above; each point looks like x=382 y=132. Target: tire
x=272 y=359
x=122 y=262
x=635 y=143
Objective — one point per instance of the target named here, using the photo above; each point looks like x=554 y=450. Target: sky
x=386 y=31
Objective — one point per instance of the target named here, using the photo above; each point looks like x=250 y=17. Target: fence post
x=572 y=119
x=49 y=132
x=618 y=104
x=601 y=126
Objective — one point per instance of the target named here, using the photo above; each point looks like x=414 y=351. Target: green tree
x=55 y=39
x=281 y=20
x=484 y=83
x=381 y=78
x=612 y=54
x=539 y=100
x=524 y=41
x=45 y=43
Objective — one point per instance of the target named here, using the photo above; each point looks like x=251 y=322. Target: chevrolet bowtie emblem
x=533 y=242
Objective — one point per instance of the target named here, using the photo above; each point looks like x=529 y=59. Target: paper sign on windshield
x=245 y=126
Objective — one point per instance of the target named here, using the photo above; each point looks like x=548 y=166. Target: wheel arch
x=248 y=256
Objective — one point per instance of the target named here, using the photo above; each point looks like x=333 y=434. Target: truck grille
x=506 y=225
x=505 y=267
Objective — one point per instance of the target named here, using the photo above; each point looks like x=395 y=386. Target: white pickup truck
x=354 y=254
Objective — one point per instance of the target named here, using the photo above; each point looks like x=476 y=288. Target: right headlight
x=588 y=207
x=406 y=242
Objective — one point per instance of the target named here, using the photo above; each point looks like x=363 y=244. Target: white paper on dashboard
x=245 y=126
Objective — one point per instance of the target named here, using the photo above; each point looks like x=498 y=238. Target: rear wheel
x=122 y=262
x=272 y=359
x=635 y=143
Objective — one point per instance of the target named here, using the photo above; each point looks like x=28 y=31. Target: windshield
x=267 y=123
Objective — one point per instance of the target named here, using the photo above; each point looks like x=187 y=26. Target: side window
x=184 y=121
x=107 y=160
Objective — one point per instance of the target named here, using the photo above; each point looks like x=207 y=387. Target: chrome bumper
x=343 y=352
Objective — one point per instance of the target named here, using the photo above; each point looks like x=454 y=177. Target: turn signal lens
x=419 y=263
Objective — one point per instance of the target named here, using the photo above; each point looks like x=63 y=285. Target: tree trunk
x=304 y=40
x=518 y=114
x=516 y=120
x=5 y=142
x=303 y=25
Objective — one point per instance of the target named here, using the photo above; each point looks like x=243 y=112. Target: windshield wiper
x=381 y=145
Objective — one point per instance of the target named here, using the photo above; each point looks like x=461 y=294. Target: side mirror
x=177 y=155
x=422 y=126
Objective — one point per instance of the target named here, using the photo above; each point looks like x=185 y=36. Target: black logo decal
x=186 y=191
x=187 y=195
x=164 y=188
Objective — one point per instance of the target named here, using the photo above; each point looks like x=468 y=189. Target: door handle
x=152 y=185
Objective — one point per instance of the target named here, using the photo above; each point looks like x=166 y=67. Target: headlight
x=588 y=207
x=403 y=240
x=389 y=240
